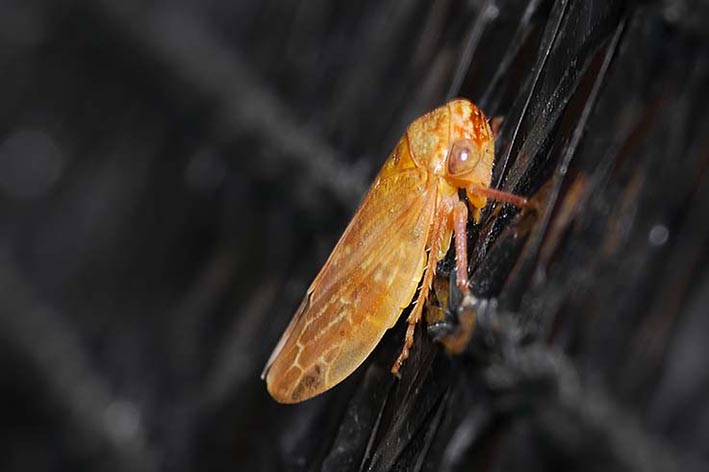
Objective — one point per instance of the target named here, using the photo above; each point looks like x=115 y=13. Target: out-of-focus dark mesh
x=173 y=175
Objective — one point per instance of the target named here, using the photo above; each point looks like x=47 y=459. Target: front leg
x=474 y=192
x=460 y=227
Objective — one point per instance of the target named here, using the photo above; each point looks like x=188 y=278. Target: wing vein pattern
x=371 y=275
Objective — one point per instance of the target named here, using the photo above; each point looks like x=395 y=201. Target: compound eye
x=463 y=157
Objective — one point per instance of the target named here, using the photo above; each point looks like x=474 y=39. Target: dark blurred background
x=173 y=175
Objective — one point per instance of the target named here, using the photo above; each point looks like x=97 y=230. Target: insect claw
x=396 y=367
x=533 y=205
x=395 y=371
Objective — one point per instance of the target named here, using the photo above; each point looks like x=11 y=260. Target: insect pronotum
x=401 y=230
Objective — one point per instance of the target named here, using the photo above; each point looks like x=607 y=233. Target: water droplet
x=658 y=235
x=492 y=11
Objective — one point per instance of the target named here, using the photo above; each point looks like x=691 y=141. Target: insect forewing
x=371 y=275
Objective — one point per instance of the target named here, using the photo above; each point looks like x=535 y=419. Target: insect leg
x=440 y=224
x=498 y=195
x=495 y=125
x=460 y=228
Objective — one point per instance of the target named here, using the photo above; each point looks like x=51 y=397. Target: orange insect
x=401 y=230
